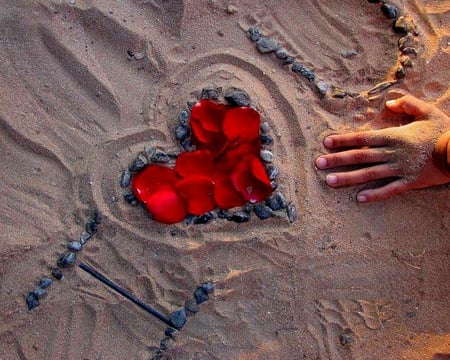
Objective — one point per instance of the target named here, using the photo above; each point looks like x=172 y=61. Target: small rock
x=406 y=61
x=97 y=216
x=237 y=97
x=210 y=94
x=401 y=25
x=390 y=11
x=223 y=214
x=164 y=343
x=348 y=53
x=160 y=156
x=346 y=338
x=231 y=9
x=265 y=127
x=57 y=274
x=299 y=68
x=200 y=295
x=208 y=287
x=139 y=163
x=266 y=45
x=262 y=211
x=203 y=219
x=274 y=184
x=407 y=41
x=74 y=245
x=183 y=117
x=292 y=213
x=66 y=259
x=84 y=237
x=91 y=226
x=400 y=73
x=267 y=156
x=39 y=292
x=191 y=306
x=131 y=199
x=239 y=217
x=125 y=179
x=169 y=332
x=254 y=33
x=288 y=60
x=322 y=87
x=178 y=318
x=410 y=314
x=32 y=301
x=45 y=282
x=266 y=139
x=276 y=201
x=281 y=53
x=190 y=219
x=190 y=104
x=272 y=172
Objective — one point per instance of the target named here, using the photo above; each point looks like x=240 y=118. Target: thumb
x=409 y=105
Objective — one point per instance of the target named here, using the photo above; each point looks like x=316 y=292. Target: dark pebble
x=57 y=274
x=74 y=245
x=139 y=163
x=178 y=318
x=254 y=33
x=66 y=259
x=322 y=87
x=39 y=292
x=32 y=300
x=299 y=68
x=374 y=1
x=265 y=127
x=401 y=25
x=190 y=219
x=274 y=184
x=348 y=53
x=276 y=201
x=262 y=211
x=131 y=199
x=410 y=314
x=345 y=339
x=210 y=94
x=169 y=332
x=125 y=180
x=187 y=145
x=160 y=156
x=45 y=282
x=191 y=104
x=240 y=217
x=292 y=212
x=200 y=295
x=174 y=232
x=164 y=344
x=237 y=97
x=390 y=11
x=272 y=172
x=288 y=60
x=223 y=214
x=182 y=132
x=204 y=218
x=191 y=306
x=91 y=226
x=208 y=287
x=407 y=41
x=183 y=117
x=406 y=61
x=267 y=45
x=97 y=216
x=266 y=139
x=281 y=53
x=400 y=73
x=84 y=237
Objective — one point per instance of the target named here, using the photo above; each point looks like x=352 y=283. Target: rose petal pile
x=224 y=171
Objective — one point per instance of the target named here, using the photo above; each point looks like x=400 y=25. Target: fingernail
x=331 y=179
x=321 y=163
x=328 y=142
x=361 y=198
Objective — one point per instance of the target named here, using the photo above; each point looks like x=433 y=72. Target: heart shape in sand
x=224 y=171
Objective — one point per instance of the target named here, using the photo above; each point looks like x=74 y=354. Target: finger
x=360 y=138
x=384 y=192
x=409 y=105
x=352 y=157
x=361 y=176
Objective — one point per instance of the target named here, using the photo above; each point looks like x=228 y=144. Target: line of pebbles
x=65 y=260
x=407 y=45
x=275 y=206
x=179 y=317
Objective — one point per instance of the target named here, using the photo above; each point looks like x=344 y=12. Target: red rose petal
x=241 y=124
x=209 y=115
x=195 y=163
x=151 y=179
x=248 y=178
x=166 y=206
x=197 y=191
x=225 y=194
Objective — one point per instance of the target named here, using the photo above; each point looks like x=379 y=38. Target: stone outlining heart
x=224 y=171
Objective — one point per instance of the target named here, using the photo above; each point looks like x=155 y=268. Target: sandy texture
x=75 y=111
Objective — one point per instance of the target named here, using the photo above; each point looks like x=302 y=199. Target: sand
x=344 y=281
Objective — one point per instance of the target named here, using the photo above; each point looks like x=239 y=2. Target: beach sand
x=344 y=281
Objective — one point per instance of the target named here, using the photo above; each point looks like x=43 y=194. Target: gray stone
x=288 y=60
x=183 y=117
x=200 y=295
x=160 y=156
x=390 y=11
x=182 y=132
x=208 y=287
x=32 y=300
x=66 y=259
x=267 y=45
x=74 y=245
x=265 y=127
x=239 y=217
x=237 y=97
x=262 y=211
x=322 y=87
x=178 y=318
x=84 y=237
x=125 y=180
x=57 y=274
x=276 y=201
x=272 y=172
x=348 y=53
x=45 y=282
x=266 y=139
x=139 y=163
x=254 y=33
x=281 y=53
x=210 y=94
x=267 y=156
x=39 y=292
x=291 y=212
